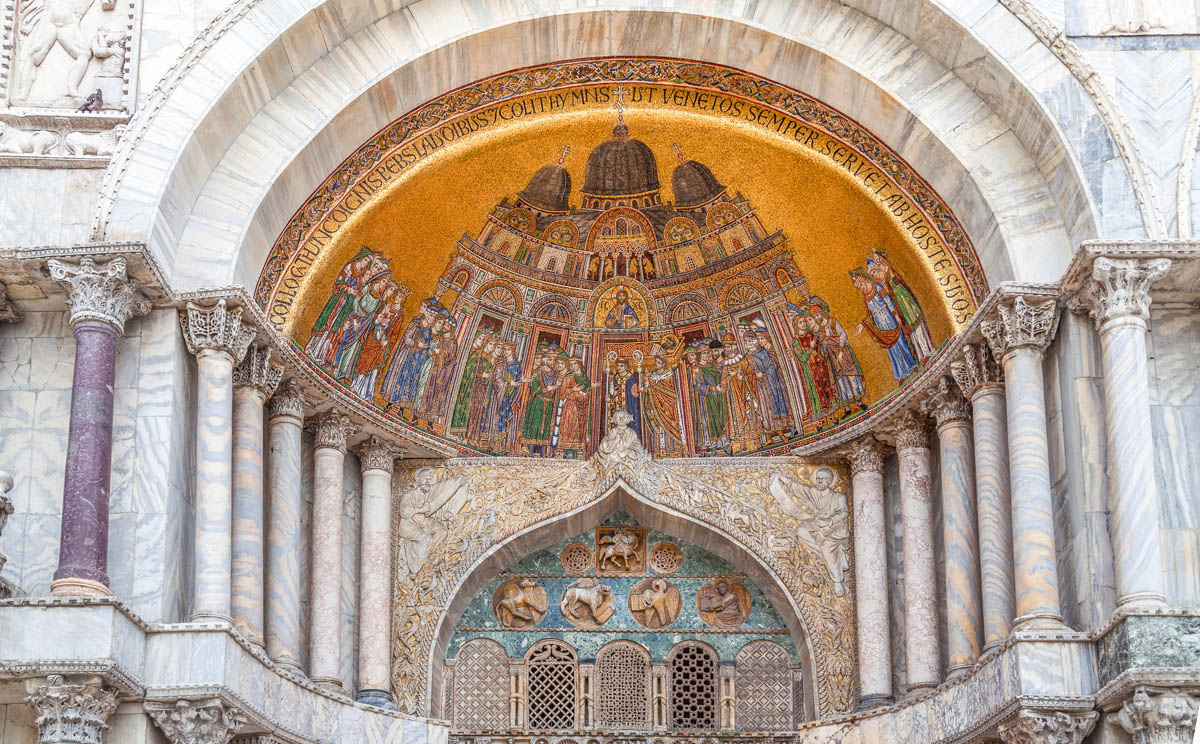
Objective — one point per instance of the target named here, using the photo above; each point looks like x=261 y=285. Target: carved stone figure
x=44 y=24
x=587 y=603
x=17 y=142
x=723 y=604
x=655 y=603
x=93 y=143
x=621 y=445
x=6 y=508
x=520 y=603
x=424 y=507
x=621 y=550
x=823 y=519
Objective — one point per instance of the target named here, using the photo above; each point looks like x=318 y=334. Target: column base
x=919 y=687
x=332 y=684
x=378 y=698
x=73 y=586
x=958 y=670
x=209 y=616
x=289 y=665
x=990 y=645
x=873 y=701
x=1040 y=621
x=1142 y=601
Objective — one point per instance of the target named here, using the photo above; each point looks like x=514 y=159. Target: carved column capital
x=331 y=429
x=376 y=454
x=71 y=712
x=1158 y=717
x=865 y=455
x=1022 y=324
x=102 y=292
x=1120 y=287
x=216 y=328
x=975 y=369
x=8 y=312
x=287 y=401
x=196 y=721
x=257 y=371
x=912 y=432
x=945 y=402
x=1033 y=726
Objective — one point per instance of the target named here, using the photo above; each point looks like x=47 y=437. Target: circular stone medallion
x=665 y=558
x=576 y=559
x=655 y=603
x=723 y=604
x=520 y=603
x=587 y=603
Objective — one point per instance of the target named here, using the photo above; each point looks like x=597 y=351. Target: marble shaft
x=283 y=530
x=214 y=507
x=325 y=632
x=994 y=512
x=920 y=585
x=374 y=592
x=960 y=538
x=870 y=574
x=247 y=583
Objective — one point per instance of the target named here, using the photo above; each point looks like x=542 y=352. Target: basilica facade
x=454 y=371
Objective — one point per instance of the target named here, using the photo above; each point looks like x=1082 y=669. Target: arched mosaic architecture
x=579 y=372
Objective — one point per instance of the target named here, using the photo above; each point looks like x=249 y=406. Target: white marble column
x=920 y=583
x=978 y=376
x=1019 y=337
x=325 y=592
x=254 y=380
x=216 y=336
x=376 y=457
x=286 y=416
x=870 y=573
x=1118 y=298
x=960 y=538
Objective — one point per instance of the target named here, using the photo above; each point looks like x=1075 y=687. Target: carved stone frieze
x=1021 y=324
x=216 y=327
x=377 y=454
x=331 y=429
x=865 y=455
x=288 y=400
x=975 y=368
x=1159 y=717
x=8 y=312
x=945 y=402
x=258 y=371
x=208 y=721
x=74 y=712
x=99 y=291
x=1121 y=287
x=1037 y=726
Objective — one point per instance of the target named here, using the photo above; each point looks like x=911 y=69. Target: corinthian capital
x=945 y=402
x=1048 y=727
x=912 y=432
x=8 y=313
x=196 y=722
x=975 y=368
x=1158 y=718
x=257 y=371
x=289 y=401
x=376 y=454
x=331 y=429
x=865 y=455
x=71 y=713
x=1021 y=324
x=216 y=327
x=1120 y=288
x=102 y=292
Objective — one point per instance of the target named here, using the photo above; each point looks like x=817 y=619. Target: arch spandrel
x=785 y=521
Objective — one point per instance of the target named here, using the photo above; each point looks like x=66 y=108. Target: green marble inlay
x=1149 y=641
x=764 y=622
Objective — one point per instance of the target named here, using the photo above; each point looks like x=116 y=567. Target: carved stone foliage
x=945 y=402
x=1022 y=324
x=217 y=328
x=71 y=712
x=287 y=401
x=8 y=312
x=912 y=432
x=330 y=429
x=196 y=722
x=665 y=558
x=1159 y=717
x=576 y=559
x=975 y=368
x=1121 y=287
x=99 y=291
x=376 y=454
x=1033 y=726
x=865 y=455
x=256 y=370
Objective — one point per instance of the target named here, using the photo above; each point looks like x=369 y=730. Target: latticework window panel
x=623 y=686
x=693 y=670
x=553 y=678
x=481 y=686
x=764 y=687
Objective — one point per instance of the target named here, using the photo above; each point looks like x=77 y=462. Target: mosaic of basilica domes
x=736 y=266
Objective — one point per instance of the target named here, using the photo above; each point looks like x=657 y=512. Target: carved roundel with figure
x=655 y=603
x=576 y=559
x=723 y=604
x=587 y=603
x=665 y=558
x=520 y=603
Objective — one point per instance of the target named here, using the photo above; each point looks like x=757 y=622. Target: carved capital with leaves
x=1020 y=324
x=1120 y=287
x=196 y=721
x=865 y=455
x=258 y=371
x=71 y=712
x=945 y=403
x=99 y=291
x=216 y=328
x=1158 y=717
x=376 y=454
x=1039 y=726
x=975 y=368
x=331 y=429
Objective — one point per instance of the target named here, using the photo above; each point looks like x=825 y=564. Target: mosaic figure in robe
x=444 y=356
x=376 y=346
x=403 y=374
x=506 y=386
x=816 y=372
x=571 y=417
x=847 y=372
x=772 y=394
x=622 y=314
x=356 y=327
x=712 y=416
x=481 y=392
x=462 y=401
x=740 y=381
x=884 y=324
x=659 y=394
x=905 y=300
x=623 y=394
x=339 y=305
x=538 y=426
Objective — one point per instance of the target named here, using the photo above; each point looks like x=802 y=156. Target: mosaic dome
x=694 y=184
x=548 y=190
x=622 y=166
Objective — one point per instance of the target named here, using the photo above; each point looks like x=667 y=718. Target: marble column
x=920 y=583
x=209 y=721
x=870 y=573
x=71 y=712
x=1159 y=716
x=101 y=298
x=286 y=417
x=254 y=380
x=1042 y=726
x=216 y=336
x=324 y=627
x=978 y=376
x=376 y=458
x=1118 y=298
x=1019 y=336
x=960 y=538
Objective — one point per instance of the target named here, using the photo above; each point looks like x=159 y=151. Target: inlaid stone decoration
x=655 y=603
x=519 y=603
x=620 y=550
x=588 y=603
x=723 y=604
x=665 y=558
x=576 y=559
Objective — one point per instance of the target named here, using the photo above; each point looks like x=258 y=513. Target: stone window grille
x=552 y=685
x=693 y=687
x=764 y=686
x=481 y=686
x=623 y=686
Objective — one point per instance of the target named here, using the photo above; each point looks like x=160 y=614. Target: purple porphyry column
x=101 y=299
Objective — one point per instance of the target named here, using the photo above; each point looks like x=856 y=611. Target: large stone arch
x=276 y=92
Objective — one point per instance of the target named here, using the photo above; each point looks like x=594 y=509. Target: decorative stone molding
x=865 y=455
x=8 y=312
x=945 y=402
x=1121 y=287
x=331 y=429
x=196 y=722
x=59 y=141
x=1022 y=324
x=1158 y=717
x=217 y=328
x=376 y=454
x=102 y=292
x=976 y=368
x=911 y=432
x=257 y=371
x=71 y=713
x=1039 y=726
x=287 y=401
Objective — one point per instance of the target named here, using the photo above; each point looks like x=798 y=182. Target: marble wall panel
x=43 y=206
x=18 y=724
